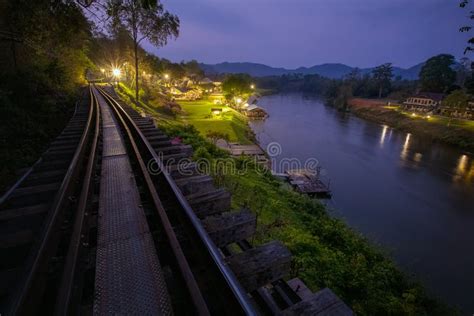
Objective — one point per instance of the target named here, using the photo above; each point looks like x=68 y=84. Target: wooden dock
x=252 y=150
x=308 y=182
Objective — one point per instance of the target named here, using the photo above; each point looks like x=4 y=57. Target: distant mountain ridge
x=330 y=70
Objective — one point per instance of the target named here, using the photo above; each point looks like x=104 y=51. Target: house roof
x=252 y=99
x=430 y=95
x=253 y=107
x=206 y=80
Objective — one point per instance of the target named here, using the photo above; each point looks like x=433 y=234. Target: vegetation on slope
x=326 y=252
x=42 y=61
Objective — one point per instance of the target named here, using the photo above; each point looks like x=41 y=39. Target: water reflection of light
x=384 y=133
x=418 y=157
x=403 y=155
x=462 y=170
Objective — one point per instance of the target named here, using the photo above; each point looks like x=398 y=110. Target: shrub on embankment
x=434 y=128
x=326 y=252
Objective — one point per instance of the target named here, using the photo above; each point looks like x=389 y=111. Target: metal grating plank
x=128 y=275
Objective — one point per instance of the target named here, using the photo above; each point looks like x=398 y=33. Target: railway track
x=111 y=237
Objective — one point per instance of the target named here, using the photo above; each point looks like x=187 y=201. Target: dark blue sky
x=293 y=33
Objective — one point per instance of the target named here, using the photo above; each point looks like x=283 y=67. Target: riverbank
x=326 y=251
x=454 y=132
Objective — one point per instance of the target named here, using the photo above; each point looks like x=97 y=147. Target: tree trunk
x=136 y=72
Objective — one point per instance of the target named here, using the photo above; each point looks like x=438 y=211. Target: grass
x=231 y=122
x=198 y=114
x=451 y=131
x=468 y=125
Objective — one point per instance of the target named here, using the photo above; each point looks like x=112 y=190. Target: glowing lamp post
x=252 y=86
x=116 y=72
x=167 y=77
x=238 y=100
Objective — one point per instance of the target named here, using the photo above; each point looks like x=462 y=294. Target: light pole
x=116 y=73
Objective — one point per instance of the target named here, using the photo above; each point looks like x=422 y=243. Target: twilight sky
x=293 y=33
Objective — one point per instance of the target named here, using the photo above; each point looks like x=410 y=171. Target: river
x=407 y=194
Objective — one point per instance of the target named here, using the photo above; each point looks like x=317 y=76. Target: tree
x=193 y=69
x=463 y=71
x=237 y=84
x=144 y=19
x=467 y=28
x=343 y=95
x=457 y=99
x=382 y=76
x=437 y=75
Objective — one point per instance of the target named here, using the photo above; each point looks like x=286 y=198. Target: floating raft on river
x=308 y=182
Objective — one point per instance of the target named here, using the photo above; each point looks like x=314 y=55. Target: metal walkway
x=128 y=277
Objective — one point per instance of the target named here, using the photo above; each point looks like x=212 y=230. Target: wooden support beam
x=261 y=265
x=215 y=202
x=324 y=302
x=197 y=184
x=230 y=227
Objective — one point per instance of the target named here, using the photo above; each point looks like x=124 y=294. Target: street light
x=238 y=100
x=167 y=76
x=252 y=86
x=116 y=72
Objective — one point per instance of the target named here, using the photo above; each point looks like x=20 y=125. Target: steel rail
x=39 y=258
x=7 y=194
x=66 y=291
x=229 y=277
x=193 y=288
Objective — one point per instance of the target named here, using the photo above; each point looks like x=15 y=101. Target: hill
x=330 y=70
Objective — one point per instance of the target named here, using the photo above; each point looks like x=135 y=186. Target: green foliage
x=467 y=28
x=457 y=99
x=451 y=131
x=216 y=135
x=326 y=252
x=343 y=95
x=44 y=60
x=382 y=76
x=437 y=74
x=193 y=69
x=237 y=84
x=143 y=20
x=190 y=135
